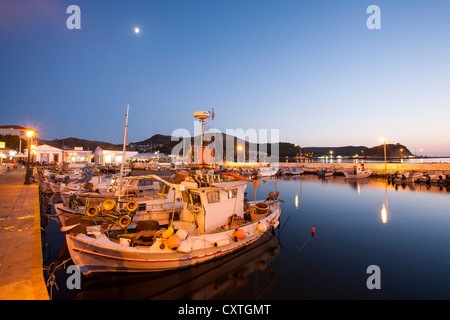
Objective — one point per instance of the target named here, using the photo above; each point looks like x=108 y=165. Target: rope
x=284 y=269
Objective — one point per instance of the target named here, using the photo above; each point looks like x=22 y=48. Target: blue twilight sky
x=311 y=69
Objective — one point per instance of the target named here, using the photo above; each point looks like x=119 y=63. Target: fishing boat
x=358 y=172
x=205 y=281
x=405 y=177
x=325 y=173
x=297 y=171
x=267 y=171
x=216 y=220
x=148 y=205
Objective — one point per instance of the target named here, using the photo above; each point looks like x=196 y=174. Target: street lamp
x=28 y=174
x=384 y=142
x=299 y=151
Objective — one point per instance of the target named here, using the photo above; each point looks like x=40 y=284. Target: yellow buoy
x=108 y=204
x=166 y=234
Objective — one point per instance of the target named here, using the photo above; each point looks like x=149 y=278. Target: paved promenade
x=21 y=273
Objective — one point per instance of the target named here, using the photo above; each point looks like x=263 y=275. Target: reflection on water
x=403 y=229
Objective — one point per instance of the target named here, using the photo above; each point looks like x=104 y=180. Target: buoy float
x=166 y=234
x=262 y=227
x=239 y=234
x=313 y=231
x=173 y=242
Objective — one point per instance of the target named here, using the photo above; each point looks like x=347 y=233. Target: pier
x=21 y=271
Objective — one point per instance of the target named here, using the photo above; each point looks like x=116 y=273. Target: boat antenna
x=202 y=116
x=123 y=152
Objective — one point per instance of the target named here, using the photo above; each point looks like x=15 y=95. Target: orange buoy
x=173 y=242
x=239 y=233
x=313 y=231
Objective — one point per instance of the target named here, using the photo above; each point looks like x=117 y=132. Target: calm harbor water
x=402 y=230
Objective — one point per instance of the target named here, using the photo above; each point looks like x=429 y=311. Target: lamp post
x=28 y=174
x=299 y=151
x=384 y=142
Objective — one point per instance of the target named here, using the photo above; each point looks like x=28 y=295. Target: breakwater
x=376 y=167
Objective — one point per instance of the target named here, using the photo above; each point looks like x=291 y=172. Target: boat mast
x=123 y=152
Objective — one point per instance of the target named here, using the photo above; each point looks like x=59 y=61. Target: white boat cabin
x=211 y=207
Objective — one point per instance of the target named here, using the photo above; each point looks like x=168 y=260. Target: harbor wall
x=378 y=167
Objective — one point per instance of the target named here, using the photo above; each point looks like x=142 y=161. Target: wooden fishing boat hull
x=100 y=254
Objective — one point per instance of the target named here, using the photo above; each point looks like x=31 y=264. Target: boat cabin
x=211 y=207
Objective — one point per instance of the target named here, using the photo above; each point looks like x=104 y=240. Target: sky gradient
x=311 y=69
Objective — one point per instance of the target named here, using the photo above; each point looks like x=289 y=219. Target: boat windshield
x=191 y=198
x=163 y=188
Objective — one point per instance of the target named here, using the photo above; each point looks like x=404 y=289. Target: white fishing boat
x=149 y=205
x=267 y=171
x=358 y=172
x=216 y=220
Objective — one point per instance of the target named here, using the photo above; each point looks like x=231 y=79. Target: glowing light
x=384 y=214
x=30 y=133
x=137 y=30
x=296 y=201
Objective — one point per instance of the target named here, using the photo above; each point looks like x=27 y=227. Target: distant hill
x=70 y=143
x=392 y=151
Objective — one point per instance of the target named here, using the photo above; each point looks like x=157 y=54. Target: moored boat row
x=205 y=212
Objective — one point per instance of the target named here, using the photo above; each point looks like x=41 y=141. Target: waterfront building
x=111 y=156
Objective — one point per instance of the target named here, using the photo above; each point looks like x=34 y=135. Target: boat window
x=142 y=207
x=213 y=196
x=196 y=199
x=186 y=198
x=145 y=182
x=163 y=188
x=232 y=193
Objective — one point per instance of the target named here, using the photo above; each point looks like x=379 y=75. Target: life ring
x=92 y=211
x=132 y=205
x=108 y=204
x=124 y=221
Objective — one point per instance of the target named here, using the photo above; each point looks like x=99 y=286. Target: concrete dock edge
x=21 y=268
